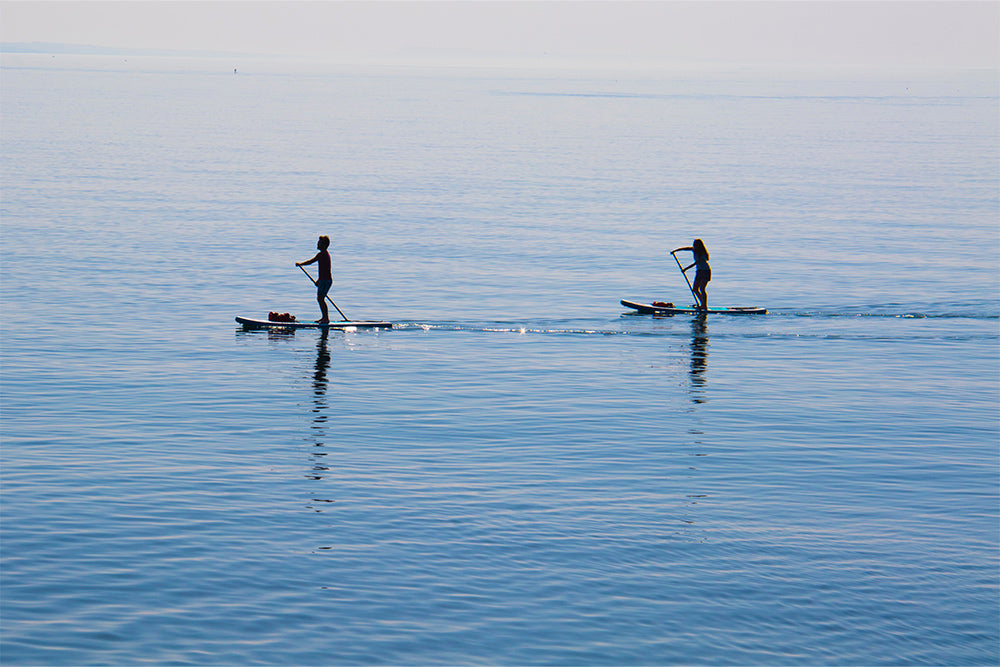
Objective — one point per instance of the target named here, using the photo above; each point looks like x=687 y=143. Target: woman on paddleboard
x=325 y=281
x=702 y=275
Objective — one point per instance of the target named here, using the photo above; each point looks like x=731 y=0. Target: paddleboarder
x=702 y=275
x=325 y=281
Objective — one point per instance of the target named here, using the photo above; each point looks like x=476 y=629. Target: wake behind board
x=650 y=309
x=251 y=323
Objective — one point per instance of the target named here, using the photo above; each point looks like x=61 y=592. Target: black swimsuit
x=704 y=272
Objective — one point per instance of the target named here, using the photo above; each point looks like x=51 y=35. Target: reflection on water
x=319 y=409
x=699 y=357
x=697 y=391
x=319 y=376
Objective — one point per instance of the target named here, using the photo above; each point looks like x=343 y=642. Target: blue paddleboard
x=650 y=309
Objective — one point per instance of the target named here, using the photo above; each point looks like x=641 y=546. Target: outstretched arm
x=308 y=261
x=674 y=252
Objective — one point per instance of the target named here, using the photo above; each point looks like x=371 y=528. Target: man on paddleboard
x=702 y=275
x=325 y=281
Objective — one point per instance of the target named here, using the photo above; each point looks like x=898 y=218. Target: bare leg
x=701 y=294
x=322 y=308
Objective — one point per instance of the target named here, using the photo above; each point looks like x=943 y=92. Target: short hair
x=324 y=241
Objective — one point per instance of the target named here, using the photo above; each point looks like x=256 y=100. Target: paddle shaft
x=327 y=296
x=696 y=299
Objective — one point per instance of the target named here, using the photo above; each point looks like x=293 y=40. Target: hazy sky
x=828 y=33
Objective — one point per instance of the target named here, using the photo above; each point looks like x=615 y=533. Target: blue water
x=518 y=472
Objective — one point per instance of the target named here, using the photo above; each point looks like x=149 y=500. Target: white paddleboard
x=251 y=323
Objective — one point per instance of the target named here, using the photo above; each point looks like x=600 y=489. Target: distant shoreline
x=445 y=59
x=57 y=48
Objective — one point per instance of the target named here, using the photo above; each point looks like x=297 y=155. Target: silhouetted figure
x=702 y=275
x=325 y=281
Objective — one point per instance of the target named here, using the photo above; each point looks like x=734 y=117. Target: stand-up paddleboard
x=650 y=309
x=251 y=323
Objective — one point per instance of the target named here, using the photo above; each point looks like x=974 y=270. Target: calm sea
x=519 y=472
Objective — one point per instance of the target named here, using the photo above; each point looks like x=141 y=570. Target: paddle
x=696 y=299
x=327 y=296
